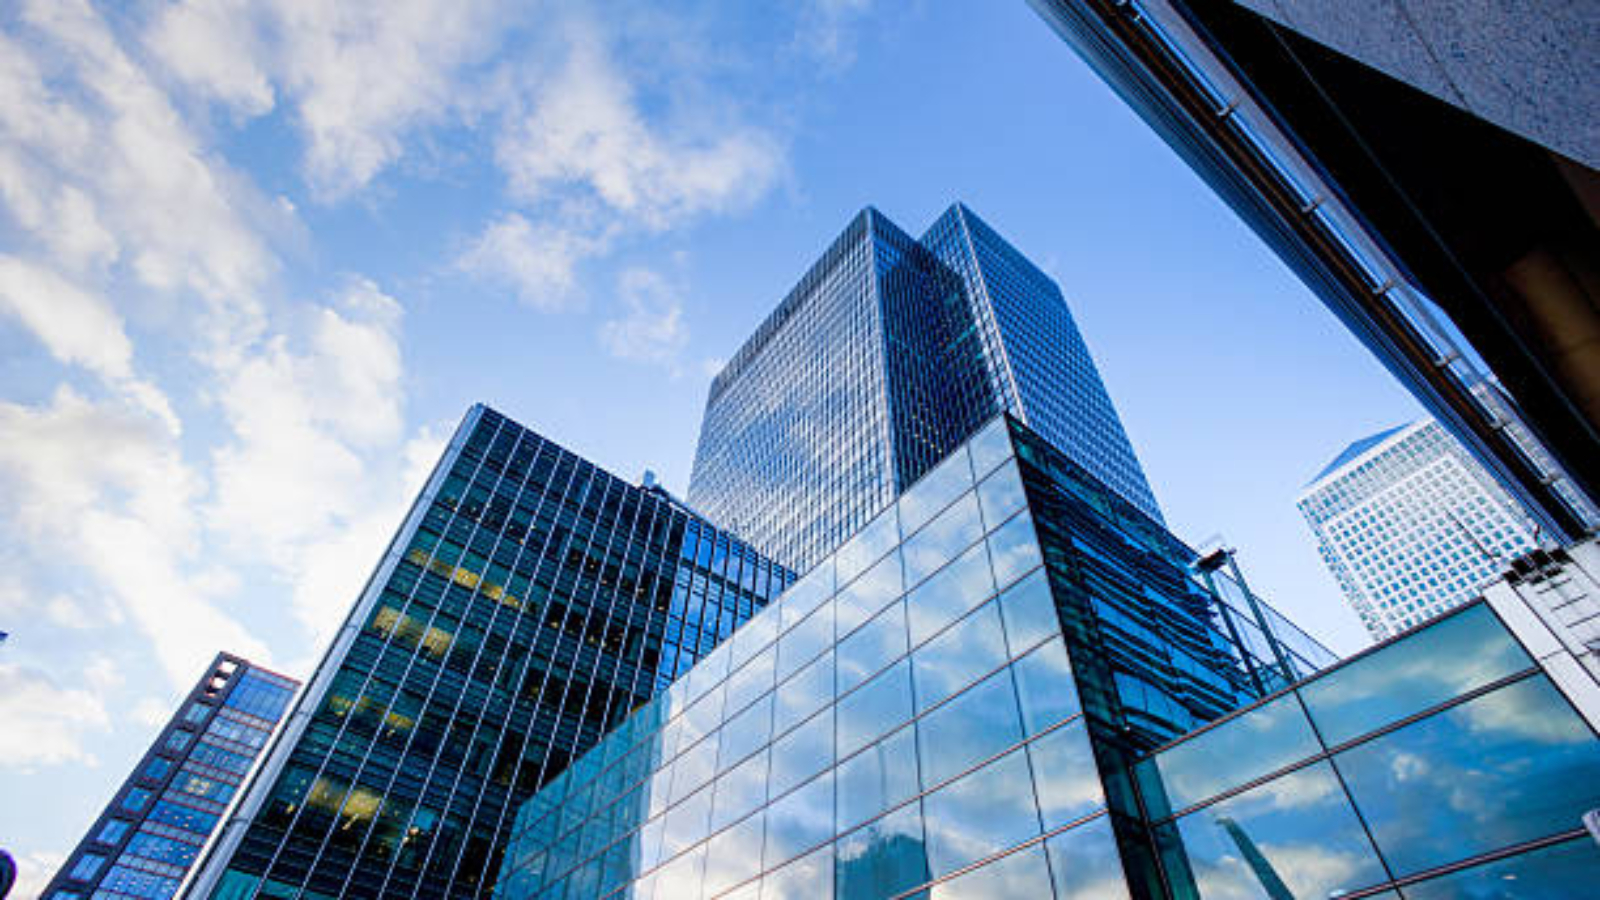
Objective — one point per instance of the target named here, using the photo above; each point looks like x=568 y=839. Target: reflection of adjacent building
x=146 y=839
x=1012 y=683
x=1410 y=525
x=527 y=603
x=933 y=702
x=889 y=353
x=1428 y=170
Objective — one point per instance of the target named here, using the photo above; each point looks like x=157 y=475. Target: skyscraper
x=993 y=690
x=528 y=601
x=1410 y=525
x=150 y=834
x=886 y=355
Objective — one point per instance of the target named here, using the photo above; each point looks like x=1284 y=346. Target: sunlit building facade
x=1411 y=525
x=953 y=700
x=149 y=836
x=529 y=602
x=887 y=355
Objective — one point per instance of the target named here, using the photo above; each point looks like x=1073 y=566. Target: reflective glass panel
x=808 y=593
x=1510 y=766
x=1084 y=863
x=752 y=681
x=948 y=595
x=752 y=636
x=942 y=540
x=1563 y=871
x=686 y=823
x=803 y=694
x=1021 y=874
x=960 y=655
x=990 y=447
x=1065 y=775
x=869 y=545
x=746 y=732
x=1045 y=687
x=802 y=752
x=935 y=491
x=800 y=820
x=702 y=718
x=1029 y=611
x=740 y=790
x=1294 y=836
x=693 y=768
x=798 y=880
x=1013 y=550
x=801 y=644
x=1000 y=495
x=874 y=708
x=883 y=858
x=683 y=876
x=868 y=594
x=877 y=778
x=1245 y=747
x=983 y=813
x=871 y=647
x=1444 y=660
x=972 y=727
x=734 y=855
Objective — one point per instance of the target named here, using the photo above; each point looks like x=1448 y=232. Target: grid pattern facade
x=888 y=354
x=1412 y=526
x=144 y=843
x=1445 y=764
x=1038 y=367
x=527 y=604
x=796 y=447
x=904 y=718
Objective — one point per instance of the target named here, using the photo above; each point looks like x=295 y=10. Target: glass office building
x=144 y=842
x=529 y=601
x=953 y=700
x=1444 y=765
x=1411 y=525
x=887 y=355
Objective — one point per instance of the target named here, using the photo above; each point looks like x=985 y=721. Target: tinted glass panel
x=1442 y=661
x=948 y=595
x=1085 y=864
x=876 y=707
x=963 y=653
x=1510 y=766
x=803 y=694
x=877 y=778
x=1014 y=550
x=1065 y=775
x=1045 y=687
x=1022 y=874
x=868 y=546
x=990 y=447
x=801 y=753
x=868 y=594
x=1030 y=612
x=985 y=812
x=972 y=727
x=1000 y=495
x=1561 y=872
x=943 y=539
x=883 y=858
x=1267 y=738
x=740 y=791
x=935 y=491
x=1306 y=842
x=799 y=821
x=872 y=647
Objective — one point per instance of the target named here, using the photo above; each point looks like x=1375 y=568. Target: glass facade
x=1410 y=525
x=1037 y=365
x=527 y=604
x=887 y=355
x=147 y=839
x=1444 y=764
x=918 y=713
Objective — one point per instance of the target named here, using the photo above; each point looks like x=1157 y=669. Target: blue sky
x=256 y=259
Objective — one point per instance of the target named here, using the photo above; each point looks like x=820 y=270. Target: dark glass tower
x=529 y=601
x=885 y=356
x=144 y=842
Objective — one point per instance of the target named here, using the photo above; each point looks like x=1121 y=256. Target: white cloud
x=45 y=723
x=651 y=329
x=102 y=487
x=584 y=129
x=34 y=871
x=538 y=261
x=152 y=712
x=358 y=77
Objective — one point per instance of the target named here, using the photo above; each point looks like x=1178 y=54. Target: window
x=178 y=740
x=136 y=800
x=112 y=831
x=88 y=866
x=196 y=713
